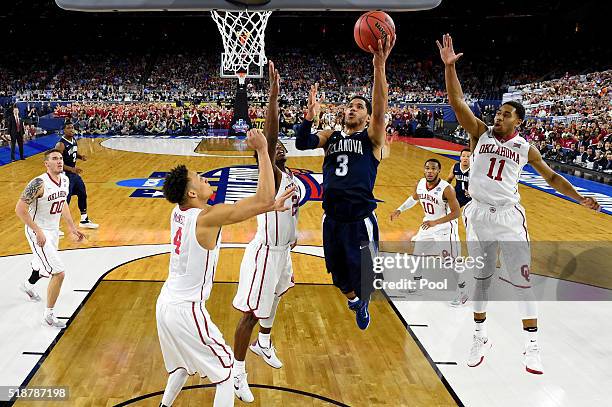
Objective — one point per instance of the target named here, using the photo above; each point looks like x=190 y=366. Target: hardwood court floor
x=110 y=353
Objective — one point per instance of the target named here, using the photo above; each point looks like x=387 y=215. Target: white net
x=243 y=34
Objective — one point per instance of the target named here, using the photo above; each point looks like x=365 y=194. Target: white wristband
x=410 y=202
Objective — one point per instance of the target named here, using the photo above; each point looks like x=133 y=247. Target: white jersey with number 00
x=192 y=267
x=496 y=169
x=46 y=211
x=433 y=203
x=280 y=228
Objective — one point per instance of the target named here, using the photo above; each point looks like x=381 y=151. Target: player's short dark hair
x=175 y=184
x=465 y=149
x=365 y=100
x=433 y=160
x=49 y=152
x=519 y=108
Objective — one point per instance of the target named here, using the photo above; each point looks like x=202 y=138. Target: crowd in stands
x=569 y=119
x=194 y=76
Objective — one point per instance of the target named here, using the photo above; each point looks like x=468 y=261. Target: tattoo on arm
x=31 y=192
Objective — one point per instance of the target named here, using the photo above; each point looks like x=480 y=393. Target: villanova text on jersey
x=349 y=174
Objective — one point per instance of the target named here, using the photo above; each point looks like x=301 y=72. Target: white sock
x=239 y=367
x=481 y=329
x=83 y=217
x=224 y=395
x=354 y=300
x=28 y=285
x=264 y=340
x=48 y=311
x=175 y=383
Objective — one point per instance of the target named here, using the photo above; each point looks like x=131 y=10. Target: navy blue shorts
x=77 y=187
x=349 y=248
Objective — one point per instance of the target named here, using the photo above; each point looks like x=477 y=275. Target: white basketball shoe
x=241 y=388
x=32 y=295
x=480 y=347
x=533 y=360
x=268 y=354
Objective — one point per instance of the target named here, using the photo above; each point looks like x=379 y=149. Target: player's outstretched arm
x=32 y=191
x=453 y=203
x=466 y=118
x=559 y=183
x=380 y=92
x=271 y=127
x=408 y=203
x=262 y=201
x=304 y=138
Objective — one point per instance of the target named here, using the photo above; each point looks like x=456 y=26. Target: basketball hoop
x=243 y=34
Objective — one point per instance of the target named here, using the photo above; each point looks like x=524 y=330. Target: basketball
x=371 y=27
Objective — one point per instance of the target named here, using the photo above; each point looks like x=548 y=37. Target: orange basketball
x=371 y=27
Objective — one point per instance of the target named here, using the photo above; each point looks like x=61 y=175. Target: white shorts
x=190 y=340
x=46 y=259
x=442 y=243
x=489 y=228
x=266 y=272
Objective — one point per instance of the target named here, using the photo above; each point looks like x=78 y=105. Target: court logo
x=231 y=183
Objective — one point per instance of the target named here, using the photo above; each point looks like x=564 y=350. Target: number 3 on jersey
x=342 y=169
x=177 y=241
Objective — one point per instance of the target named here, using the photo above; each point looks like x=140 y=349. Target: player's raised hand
x=447 y=52
x=590 y=203
x=274 y=78
x=314 y=103
x=395 y=214
x=256 y=140
x=384 y=49
x=279 y=204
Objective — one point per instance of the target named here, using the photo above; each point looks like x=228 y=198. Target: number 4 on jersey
x=177 y=241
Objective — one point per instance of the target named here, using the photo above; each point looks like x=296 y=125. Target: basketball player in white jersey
x=190 y=341
x=40 y=207
x=495 y=217
x=266 y=272
x=439 y=232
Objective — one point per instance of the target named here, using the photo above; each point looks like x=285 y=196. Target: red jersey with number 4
x=496 y=169
x=192 y=267
x=280 y=228
x=46 y=211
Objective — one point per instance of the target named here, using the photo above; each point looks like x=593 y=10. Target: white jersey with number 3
x=192 y=267
x=433 y=203
x=280 y=228
x=46 y=211
x=496 y=169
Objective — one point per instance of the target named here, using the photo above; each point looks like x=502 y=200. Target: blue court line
x=30 y=148
x=597 y=190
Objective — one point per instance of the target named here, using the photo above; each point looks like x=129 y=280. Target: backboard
x=285 y=5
